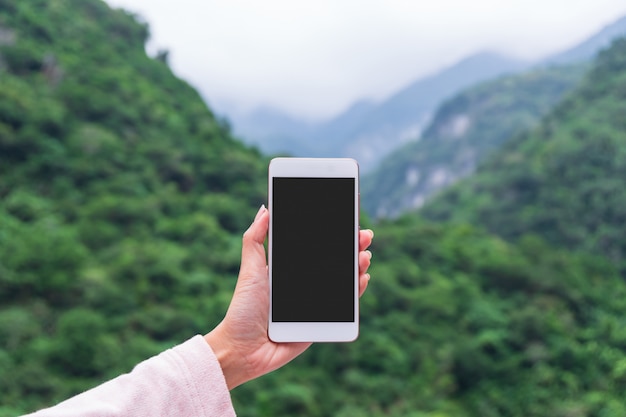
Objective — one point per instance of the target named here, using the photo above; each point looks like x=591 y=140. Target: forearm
x=184 y=381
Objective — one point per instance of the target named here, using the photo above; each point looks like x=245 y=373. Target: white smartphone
x=313 y=249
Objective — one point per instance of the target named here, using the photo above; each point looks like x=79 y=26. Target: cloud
x=315 y=58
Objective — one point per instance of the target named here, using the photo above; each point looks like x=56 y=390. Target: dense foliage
x=122 y=203
x=122 y=199
x=464 y=131
x=564 y=180
x=460 y=323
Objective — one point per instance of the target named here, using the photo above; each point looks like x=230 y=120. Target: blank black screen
x=313 y=249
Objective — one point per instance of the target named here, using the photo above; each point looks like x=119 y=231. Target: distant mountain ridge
x=403 y=116
x=469 y=126
x=367 y=131
x=563 y=180
x=590 y=47
x=465 y=129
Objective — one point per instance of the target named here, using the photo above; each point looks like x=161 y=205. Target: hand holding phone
x=240 y=341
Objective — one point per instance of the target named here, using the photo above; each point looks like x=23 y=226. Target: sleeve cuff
x=204 y=377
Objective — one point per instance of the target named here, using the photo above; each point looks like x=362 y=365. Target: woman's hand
x=240 y=341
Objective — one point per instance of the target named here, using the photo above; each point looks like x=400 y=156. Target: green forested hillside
x=122 y=203
x=464 y=131
x=564 y=180
x=122 y=199
x=460 y=323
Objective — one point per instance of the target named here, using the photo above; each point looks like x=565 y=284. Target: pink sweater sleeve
x=184 y=381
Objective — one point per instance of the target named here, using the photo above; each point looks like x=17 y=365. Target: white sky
x=313 y=59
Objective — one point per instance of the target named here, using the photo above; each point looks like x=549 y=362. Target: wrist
x=229 y=360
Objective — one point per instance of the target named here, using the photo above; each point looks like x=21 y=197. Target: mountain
x=587 y=49
x=122 y=201
x=367 y=131
x=464 y=130
x=122 y=204
x=472 y=124
x=271 y=130
x=563 y=180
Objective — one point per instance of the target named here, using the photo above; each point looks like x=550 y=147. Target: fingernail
x=260 y=212
x=372 y=233
x=369 y=254
x=368 y=276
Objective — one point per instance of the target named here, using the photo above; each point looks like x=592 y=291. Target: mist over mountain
x=563 y=180
x=587 y=49
x=472 y=124
x=368 y=130
x=465 y=129
x=272 y=129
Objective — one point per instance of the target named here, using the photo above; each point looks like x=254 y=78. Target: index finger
x=365 y=239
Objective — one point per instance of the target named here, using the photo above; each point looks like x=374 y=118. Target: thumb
x=253 y=251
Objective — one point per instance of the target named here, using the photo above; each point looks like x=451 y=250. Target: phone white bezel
x=315 y=168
